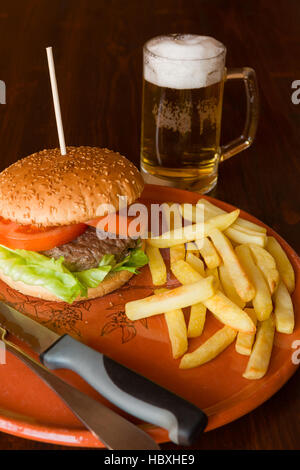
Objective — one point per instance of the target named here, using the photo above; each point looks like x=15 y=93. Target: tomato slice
x=118 y=224
x=30 y=237
x=33 y=238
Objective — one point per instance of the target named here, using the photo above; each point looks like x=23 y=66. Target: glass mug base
x=201 y=184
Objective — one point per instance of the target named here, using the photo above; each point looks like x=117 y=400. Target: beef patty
x=86 y=251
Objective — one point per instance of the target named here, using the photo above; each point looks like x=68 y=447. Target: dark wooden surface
x=97 y=46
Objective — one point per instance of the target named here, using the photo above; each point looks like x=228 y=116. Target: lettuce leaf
x=136 y=259
x=93 y=277
x=35 y=269
x=38 y=270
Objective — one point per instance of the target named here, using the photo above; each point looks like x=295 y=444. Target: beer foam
x=174 y=61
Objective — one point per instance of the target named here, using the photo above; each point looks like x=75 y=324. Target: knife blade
x=123 y=387
x=116 y=432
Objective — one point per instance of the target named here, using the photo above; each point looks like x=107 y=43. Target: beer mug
x=182 y=108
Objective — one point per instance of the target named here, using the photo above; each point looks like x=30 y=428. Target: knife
x=123 y=387
x=116 y=432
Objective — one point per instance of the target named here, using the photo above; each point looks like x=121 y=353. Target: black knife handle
x=109 y=427
x=128 y=390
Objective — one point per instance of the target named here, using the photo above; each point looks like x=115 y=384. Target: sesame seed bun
x=111 y=282
x=50 y=189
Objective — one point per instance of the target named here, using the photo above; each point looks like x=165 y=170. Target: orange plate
x=29 y=409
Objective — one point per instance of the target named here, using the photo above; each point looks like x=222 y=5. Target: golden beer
x=181 y=134
x=183 y=83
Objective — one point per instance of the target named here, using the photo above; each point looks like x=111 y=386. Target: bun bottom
x=110 y=283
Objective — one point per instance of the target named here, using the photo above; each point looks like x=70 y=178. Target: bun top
x=48 y=189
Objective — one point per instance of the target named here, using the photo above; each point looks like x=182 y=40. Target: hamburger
x=50 y=209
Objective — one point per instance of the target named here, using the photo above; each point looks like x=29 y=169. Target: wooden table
x=98 y=54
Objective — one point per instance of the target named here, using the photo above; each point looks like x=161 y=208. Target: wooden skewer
x=55 y=96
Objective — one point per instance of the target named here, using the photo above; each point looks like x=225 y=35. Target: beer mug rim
x=174 y=35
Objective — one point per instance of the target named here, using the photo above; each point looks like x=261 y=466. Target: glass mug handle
x=246 y=138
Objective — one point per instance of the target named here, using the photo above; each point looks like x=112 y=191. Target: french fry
x=198 y=311
x=193 y=212
x=215 y=273
x=267 y=265
x=219 y=281
x=194 y=231
x=177 y=330
x=262 y=301
x=177 y=252
x=210 y=349
x=196 y=320
x=196 y=263
x=166 y=219
x=284 y=310
x=228 y=287
x=176 y=219
x=185 y=273
x=180 y=297
x=250 y=231
x=212 y=210
x=229 y=313
x=238 y=276
x=156 y=265
x=220 y=306
x=208 y=253
x=251 y=226
x=259 y=359
x=171 y=215
x=283 y=264
x=244 y=341
x=241 y=231
x=191 y=247
x=241 y=235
